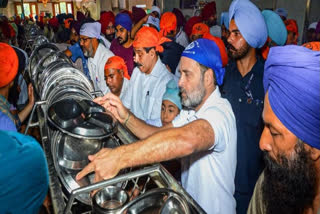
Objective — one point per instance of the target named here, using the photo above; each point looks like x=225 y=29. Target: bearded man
x=244 y=90
x=290 y=140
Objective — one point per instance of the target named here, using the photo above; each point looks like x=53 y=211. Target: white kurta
x=144 y=96
x=96 y=68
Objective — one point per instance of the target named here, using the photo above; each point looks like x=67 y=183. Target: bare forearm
x=25 y=112
x=168 y=144
x=140 y=129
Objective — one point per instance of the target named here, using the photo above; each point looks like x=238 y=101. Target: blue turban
x=277 y=31
x=24 y=176
x=249 y=21
x=172 y=93
x=292 y=79
x=224 y=19
x=91 y=30
x=124 y=20
x=207 y=53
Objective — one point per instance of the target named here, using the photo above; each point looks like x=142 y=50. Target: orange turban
x=292 y=26
x=315 y=46
x=116 y=62
x=67 y=22
x=200 y=28
x=168 y=22
x=221 y=46
x=148 y=37
x=9 y=64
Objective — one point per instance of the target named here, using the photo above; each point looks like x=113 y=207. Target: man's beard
x=110 y=37
x=291 y=185
x=194 y=98
x=123 y=41
x=88 y=53
x=238 y=54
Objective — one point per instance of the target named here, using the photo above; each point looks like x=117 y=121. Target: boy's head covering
x=91 y=30
x=116 y=62
x=282 y=12
x=221 y=46
x=292 y=79
x=209 y=10
x=207 y=53
x=224 y=19
x=124 y=20
x=276 y=29
x=200 y=29
x=148 y=37
x=249 y=21
x=173 y=93
x=105 y=19
x=192 y=21
x=168 y=22
x=9 y=64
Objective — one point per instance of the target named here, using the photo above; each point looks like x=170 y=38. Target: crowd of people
x=235 y=104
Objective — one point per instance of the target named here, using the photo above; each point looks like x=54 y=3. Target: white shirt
x=124 y=89
x=96 y=68
x=144 y=97
x=182 y=38
x=208 y=176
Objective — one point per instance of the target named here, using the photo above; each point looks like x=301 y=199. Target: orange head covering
x=9 y=64
x=67 y=22
x=292 y=26
x=168 y=22
x=117 y=62
x=200 y=28
x=315 y=46
x=221 y=46
x=148 y=37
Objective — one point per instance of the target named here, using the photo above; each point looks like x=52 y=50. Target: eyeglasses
x=84 y=39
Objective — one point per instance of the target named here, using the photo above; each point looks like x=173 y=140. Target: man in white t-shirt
x=203 y=134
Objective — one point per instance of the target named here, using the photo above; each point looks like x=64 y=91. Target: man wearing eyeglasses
x=96 y=52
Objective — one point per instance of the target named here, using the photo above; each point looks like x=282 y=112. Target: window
x=26 y=8
x=19 y=10
x=29 y=9
x=63 y=7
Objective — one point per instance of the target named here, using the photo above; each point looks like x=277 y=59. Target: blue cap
x=172 y=93
x=124 y=20
x=207 y=53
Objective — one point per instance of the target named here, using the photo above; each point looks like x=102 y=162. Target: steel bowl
x=109 y=200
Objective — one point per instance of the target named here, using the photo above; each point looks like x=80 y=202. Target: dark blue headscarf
x=292 y=79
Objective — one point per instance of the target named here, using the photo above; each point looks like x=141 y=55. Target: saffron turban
x=168 y=22
x=9 y=64
x=116 y=62
x=249 y=21
x=292 y=79
x=207 y=53
x=200 y=29
x=148 y=37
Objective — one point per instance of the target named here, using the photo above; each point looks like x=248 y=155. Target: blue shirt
x=246 y=95
x=6 y=124
x=76 y=53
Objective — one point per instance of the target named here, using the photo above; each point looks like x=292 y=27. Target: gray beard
x=194 y=99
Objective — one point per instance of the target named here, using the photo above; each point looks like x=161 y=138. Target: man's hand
x=113 y=104
x=30 y=94
x=105 y=164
